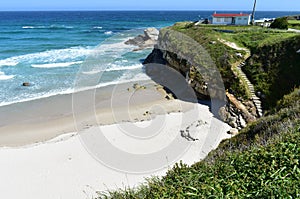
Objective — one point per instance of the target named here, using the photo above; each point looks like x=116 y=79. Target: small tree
x=280 y=23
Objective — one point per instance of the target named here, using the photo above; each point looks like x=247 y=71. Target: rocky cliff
x=207 y=70
x=196 y=66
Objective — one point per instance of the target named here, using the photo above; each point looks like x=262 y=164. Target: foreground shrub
x=280 y=23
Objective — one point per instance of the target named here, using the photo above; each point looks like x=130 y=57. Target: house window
x=245 y=19
x=227 y=19
x=239 y=18
x=218 y=19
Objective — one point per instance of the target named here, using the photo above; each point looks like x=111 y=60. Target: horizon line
x=136 y=10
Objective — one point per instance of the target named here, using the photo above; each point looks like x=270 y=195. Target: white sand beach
x=45 y=152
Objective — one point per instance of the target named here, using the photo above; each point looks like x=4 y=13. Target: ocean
x=52 y=50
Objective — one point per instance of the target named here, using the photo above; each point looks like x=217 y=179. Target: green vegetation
x=273 y=67
x=255 y=37
x=222 y=55
x=261 y=162
x=295 y=24
x=280 y=23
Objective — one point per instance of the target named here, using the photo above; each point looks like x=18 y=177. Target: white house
x=231 y=19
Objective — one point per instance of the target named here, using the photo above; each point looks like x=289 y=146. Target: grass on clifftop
x=261 y=162
x=274 y=65
x=222 y=55
x=295 y=24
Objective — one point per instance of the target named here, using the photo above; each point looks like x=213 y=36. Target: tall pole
x=253 y=13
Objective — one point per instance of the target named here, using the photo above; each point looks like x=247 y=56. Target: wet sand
x=43 y=119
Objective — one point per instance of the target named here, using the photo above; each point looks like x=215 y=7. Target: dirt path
x=293 y=30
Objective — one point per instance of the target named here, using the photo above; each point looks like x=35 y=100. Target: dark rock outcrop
x=164 y=53
x=26 y=84
x=148 y=40
x=155 y=57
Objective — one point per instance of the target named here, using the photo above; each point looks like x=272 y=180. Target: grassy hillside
x=274 y=65
x=222 y=55
x=295 y=24
x=261 y=162
x=273 y=68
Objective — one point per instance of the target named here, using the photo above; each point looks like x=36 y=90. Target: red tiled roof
x=230 y=15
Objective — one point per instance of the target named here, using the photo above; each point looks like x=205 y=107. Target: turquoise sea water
x=48 y=49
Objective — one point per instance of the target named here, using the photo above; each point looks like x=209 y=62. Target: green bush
x=280 y=23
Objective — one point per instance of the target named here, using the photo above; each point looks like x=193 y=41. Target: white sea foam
x=61 y=26
x=56 y=65
x=51 y=56
x=54 y=26
x=98 y=61
x=112 y=48
x=28 y=27
x=8 y=62
x=97 y=27
x=92 y=72
x=124 y=79
x=108 y=33
x=115 y=67
x=5 y=77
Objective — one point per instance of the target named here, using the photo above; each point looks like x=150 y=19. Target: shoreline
x=43 y=119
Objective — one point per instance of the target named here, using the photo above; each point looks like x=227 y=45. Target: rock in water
x=151 y=34
x=148 y=40
x=137 y=41
x=26 y=84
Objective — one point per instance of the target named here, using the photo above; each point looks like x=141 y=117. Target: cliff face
x=176 y=54
x=206 y=66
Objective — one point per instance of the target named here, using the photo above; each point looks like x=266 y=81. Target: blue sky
x=263 y=5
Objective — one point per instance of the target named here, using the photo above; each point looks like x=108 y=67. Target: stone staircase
x=256 y=100
x=241 y=74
